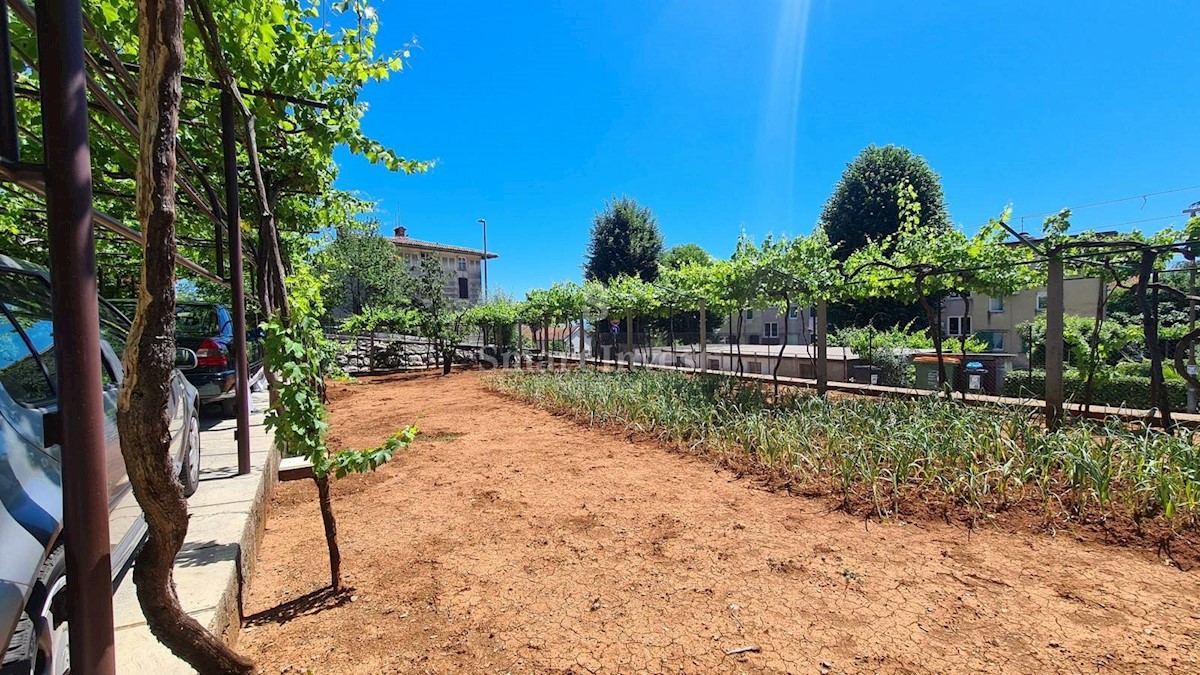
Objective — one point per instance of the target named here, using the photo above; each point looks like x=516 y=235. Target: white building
x=462 y=266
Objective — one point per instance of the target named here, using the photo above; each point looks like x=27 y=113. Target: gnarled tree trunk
x=142 y=413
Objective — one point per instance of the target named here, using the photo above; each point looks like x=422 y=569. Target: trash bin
x=976 y=376
x=926 y=369
x=866 y=374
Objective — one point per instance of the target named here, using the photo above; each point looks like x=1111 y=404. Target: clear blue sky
x=741 y=114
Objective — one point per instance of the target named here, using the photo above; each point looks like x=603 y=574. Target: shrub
x=1113 y=389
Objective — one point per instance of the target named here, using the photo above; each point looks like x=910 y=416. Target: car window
x=20 y=373
x=198 y=320
x=27 y=301
x=114 y=329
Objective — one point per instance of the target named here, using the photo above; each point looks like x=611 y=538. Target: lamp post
x=485 y=258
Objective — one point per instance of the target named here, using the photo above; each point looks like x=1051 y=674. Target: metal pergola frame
x=64 y=181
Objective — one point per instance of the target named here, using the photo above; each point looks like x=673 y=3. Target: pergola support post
x=237 y=282
x=703 y=338
x=629 y=339
x=1054 y=341
x=582 y=340
x=72 y=249
x=822 y=348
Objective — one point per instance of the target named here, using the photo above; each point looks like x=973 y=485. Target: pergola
x=68 y=76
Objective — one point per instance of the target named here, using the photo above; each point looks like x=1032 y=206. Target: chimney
x=401 y=232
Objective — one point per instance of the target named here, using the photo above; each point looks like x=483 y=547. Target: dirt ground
x=511 y=540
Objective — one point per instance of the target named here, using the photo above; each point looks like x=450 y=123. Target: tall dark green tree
x=864 y=206
x=625 y=240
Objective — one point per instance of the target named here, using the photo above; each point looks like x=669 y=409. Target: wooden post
x=520 y=346
x=629 y=338
x=1054 y=341
x=822 y=349
x=703 y=338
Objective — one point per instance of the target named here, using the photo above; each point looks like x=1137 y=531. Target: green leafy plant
x=296 y=351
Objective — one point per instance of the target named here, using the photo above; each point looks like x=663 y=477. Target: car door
x=125 y=523
x=27 y=301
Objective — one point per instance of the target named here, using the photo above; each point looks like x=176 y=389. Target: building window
x=771 y=330
x=424 y=255
x=754 y=340
x=714 y=364
x=463 y=291
x=794 y=313
x=1041 y=302
x=958 y=326
x=462 y=264
x=995 y=305
x=749 y=315
x=997 y=342
x=754 y=367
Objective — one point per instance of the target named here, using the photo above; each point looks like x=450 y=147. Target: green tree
x=863 y=208
x=910 y=265
x=625 y=240
x=684 y=254
x=363 y=269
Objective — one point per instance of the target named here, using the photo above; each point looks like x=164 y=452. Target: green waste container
x=926 y=370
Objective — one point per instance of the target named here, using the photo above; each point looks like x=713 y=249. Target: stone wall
x=387 y=353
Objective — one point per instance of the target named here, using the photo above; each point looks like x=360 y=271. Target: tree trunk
x=787 y=312
x=1158 y=389
x=143 y=419
x=331 y=541
x=1094 y=348
x=935 y=326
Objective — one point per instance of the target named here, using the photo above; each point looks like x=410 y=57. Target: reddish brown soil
x=511 y=540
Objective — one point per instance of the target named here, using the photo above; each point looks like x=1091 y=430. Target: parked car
x=207 y=329
x=32 y=559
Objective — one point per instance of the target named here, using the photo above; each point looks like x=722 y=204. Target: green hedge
x=1127 y=391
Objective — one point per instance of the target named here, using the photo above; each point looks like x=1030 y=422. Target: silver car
x=33 y=564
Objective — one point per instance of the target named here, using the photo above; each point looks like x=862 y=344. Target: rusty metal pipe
x=77 y=334
x=236 y=282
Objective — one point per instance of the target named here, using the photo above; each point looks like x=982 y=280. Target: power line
x=1106 y=202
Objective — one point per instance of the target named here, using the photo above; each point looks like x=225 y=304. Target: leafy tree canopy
x=683 y=254
x=363 y=269
x=625 y=240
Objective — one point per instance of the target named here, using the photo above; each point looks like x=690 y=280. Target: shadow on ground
x=310 y=603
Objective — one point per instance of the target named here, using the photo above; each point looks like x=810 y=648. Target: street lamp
x=485 y=258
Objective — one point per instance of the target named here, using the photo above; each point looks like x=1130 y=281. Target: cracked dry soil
x=511 y=540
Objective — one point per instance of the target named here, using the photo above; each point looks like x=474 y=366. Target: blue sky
x=725 y=115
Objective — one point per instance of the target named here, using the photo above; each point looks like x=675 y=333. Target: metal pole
x=629 y=338
x=1191 y=393
x=485 y=259
x=582 y=337
x=1054 y=341
x=822 y=347
x=237 y=282
x=10 y=147
x=77 y=329
x=703 y=338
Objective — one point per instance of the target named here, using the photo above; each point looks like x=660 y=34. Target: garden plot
x=509 y=539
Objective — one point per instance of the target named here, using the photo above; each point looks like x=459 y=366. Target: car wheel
x=189 y=470
x=41 y=643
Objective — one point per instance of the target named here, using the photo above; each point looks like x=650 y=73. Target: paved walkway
x=226 y=524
